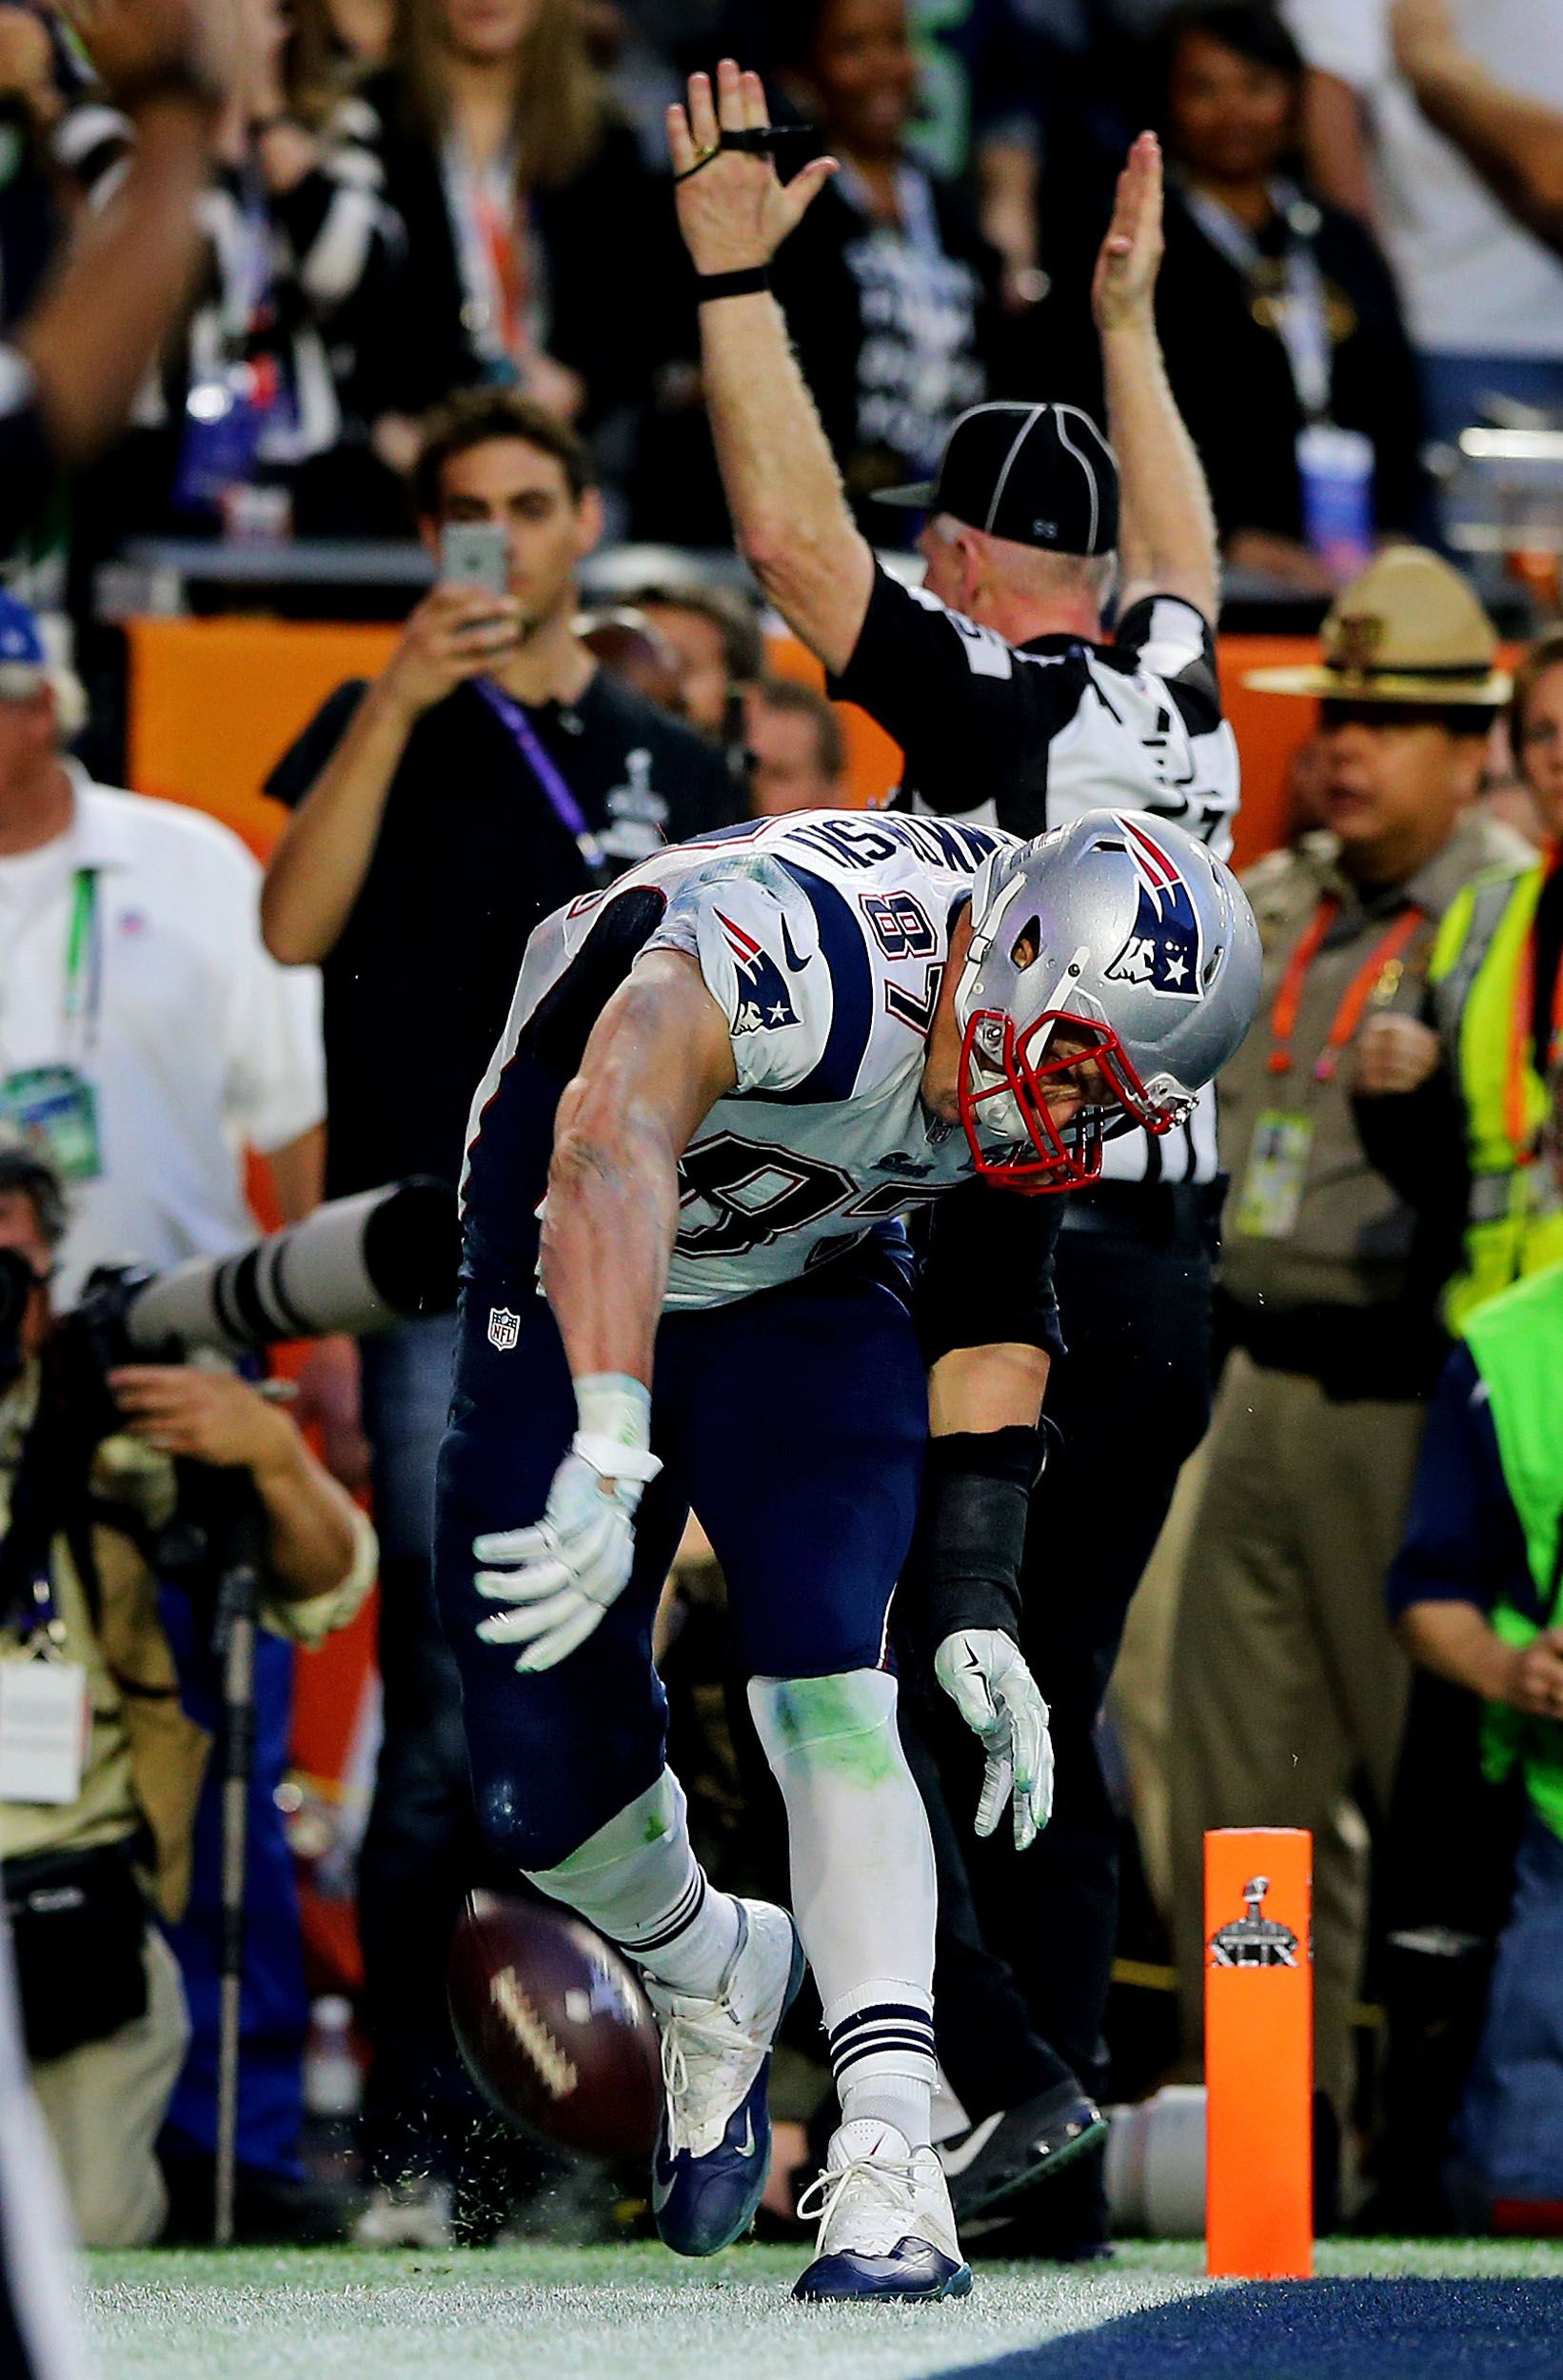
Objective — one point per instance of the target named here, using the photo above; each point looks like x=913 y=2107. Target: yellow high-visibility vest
x=1514 y=1216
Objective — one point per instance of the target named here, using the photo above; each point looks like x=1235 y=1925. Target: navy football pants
x=794 y=1423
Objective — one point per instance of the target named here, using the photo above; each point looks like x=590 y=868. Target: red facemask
x=1066 y=1158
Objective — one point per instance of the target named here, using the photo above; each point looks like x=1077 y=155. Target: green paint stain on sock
x=826 y=1721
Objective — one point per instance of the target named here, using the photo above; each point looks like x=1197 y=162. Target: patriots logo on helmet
x=766 y=1004
x=1164 y=952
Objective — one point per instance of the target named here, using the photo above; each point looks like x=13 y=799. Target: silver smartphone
x=475 y=553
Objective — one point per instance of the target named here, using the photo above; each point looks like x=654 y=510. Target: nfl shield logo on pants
x=503 y=1328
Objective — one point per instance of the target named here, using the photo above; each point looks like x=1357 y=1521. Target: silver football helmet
x=1120 y=939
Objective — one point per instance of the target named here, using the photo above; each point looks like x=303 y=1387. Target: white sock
x=637 y=1881
x=863 y=1884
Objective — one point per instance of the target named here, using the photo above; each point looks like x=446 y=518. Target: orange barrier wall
x=214 y=701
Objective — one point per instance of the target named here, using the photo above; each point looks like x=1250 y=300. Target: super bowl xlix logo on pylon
x=1254 y=1939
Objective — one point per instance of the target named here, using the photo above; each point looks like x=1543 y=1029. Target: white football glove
x=559 y=1577
x=982 y=1671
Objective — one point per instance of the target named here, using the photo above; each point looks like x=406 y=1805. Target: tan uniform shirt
x=1351 y=1237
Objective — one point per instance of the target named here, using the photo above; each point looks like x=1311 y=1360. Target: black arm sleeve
x=987 y=1275
x=293 y=775
x=964 y=1570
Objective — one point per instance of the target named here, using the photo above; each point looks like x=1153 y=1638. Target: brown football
x=554 y=2026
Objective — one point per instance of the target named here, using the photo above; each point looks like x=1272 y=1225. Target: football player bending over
x=731 y=1075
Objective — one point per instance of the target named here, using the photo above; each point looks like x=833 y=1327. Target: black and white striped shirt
x=1027 y=736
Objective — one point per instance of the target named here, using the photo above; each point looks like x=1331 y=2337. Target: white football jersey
x=823 y=938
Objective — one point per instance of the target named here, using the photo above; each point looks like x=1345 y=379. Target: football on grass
x=554 y=2026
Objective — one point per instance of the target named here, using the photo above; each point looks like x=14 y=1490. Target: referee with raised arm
x=1010 y=703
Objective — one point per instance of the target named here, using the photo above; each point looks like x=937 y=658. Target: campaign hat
x=1408 y=630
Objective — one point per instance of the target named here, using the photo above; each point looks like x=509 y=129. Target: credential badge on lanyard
x=55 y=1105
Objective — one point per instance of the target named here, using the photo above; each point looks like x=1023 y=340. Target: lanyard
x=1302 y=318
x=1521 y=1031
x=556 y=792
x=84 y=959
x=494 y=254
x=1379 y=972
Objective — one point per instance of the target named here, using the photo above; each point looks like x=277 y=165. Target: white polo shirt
x=1473 y=280
x=193 y=1041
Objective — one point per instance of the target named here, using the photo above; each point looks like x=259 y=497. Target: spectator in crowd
x=797 y=752
x=717 y=637
x=330 y=43
x=31 y=103
x=998 y=82
x=1483 y=295
x=1276 y=313
x=1287 y=1683
x=70 y=368
x=888 y=286
x=1491 y=1034
x=534 y=240
x=124 y=919
x=636 y=653
x=492 y=772
x=1509 y=135
x=1477 y=1590
x=102 y=2001
x=259 y=388
x=1009 y=703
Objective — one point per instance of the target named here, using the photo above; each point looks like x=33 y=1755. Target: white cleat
x=885 y=2225
x=713 y=2147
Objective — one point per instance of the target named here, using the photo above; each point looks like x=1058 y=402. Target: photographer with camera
x=99 y=1763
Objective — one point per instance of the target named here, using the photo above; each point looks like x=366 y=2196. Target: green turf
x=632 y=2313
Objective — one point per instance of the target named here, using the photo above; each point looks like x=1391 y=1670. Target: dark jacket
x=606 y=244
x=1230 y=375
x=884 y=431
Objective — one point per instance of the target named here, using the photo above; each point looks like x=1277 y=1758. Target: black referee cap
x=1037 y=474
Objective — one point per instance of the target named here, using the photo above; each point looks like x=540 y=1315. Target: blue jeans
x=421 y=1848
x=1509 y=2132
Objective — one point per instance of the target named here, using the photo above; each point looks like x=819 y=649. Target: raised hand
x=734 y=209
x=1123 y=286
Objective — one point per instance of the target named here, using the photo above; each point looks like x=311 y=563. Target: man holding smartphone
x=490 y=774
